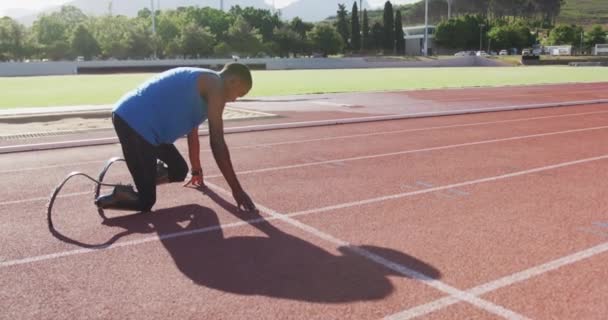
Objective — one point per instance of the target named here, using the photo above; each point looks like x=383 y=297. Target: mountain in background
x=307 y=10
x=581 y=12
x=316 y=10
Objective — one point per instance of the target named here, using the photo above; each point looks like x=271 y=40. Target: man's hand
x=196 y=181
x=243 y=201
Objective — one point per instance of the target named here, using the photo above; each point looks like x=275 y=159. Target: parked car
x=526 y=52
x=503 y=53
x=481 y=53
x=461 y=54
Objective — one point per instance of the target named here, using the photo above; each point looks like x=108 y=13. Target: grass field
x=106 y=89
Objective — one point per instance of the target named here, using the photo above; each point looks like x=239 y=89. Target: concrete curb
x=46 y=117
x=290 y=125
x=88 y=114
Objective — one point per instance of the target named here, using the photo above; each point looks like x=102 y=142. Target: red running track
x=482 y=216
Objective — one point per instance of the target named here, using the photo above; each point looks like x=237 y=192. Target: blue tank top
x=166 y=107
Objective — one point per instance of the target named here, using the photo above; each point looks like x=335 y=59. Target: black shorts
x=141 y=158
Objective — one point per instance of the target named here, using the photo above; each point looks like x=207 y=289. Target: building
x=414 y=40
x=563 y=50
x=600 y=50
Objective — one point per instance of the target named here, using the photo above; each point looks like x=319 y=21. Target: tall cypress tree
x=366 y=42
x=355 y=29
x=399 y=40
x=389 y=28
x=342 y=24
x=378 y=36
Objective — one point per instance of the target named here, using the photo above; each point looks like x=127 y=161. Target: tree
x=301 y=28
x=12 y=40
x=549 y=9
x=514 y=35
x=460 y=33
x=565 y=34
x=144 y=13
x=111 y=33
x=366 y=41
x=223 y=49
x=139 y=41
x=53 y=31
x=58 y=26
x=389 y=31
x=58 y=50
x=326 y=39
x=196 y=41
x=263 y=20
x=218 y=21
x=597 y=35
x=355 y=29
x=83 y=43
x=287 y=41
x=342 y=24
x=399 y=35
x=168 y=31
x=243 y=38
x=377 y=38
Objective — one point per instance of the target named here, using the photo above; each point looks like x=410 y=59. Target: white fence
x=15 y=69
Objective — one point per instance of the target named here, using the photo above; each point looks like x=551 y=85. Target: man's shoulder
x=209 y=82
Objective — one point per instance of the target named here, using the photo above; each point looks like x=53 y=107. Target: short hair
x=239 y=70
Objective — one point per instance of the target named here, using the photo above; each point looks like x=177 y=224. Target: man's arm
x=217 y=142
x=194 y=153
x=194 y=150
x=221 y=154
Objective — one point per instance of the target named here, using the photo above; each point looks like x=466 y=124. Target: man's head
x=237 y=81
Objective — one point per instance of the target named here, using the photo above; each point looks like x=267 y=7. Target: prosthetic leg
x=122 y=197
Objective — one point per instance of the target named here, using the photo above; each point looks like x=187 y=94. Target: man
x=151 y=118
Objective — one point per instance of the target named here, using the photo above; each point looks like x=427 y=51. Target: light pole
x=153 y=25
x=426 y=28
x=360 y=14
x=480 y=35
x=450 y=9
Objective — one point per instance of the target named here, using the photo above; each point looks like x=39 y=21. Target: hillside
x=585 y=12
x=579 y=12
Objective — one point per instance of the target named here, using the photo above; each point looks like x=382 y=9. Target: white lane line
x=503 y=282
x=538 y=270
x=361 y=135
x=307 y=124
x=403 y=270
x=299 y=213
x=129 y=243
x=397 y=153
x=67 y=195
x=446 y=187
x=341 y=161
x=423 y=309
x=52 y=166
x=419 y=129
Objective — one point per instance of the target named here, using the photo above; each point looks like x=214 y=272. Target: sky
x=38 y=4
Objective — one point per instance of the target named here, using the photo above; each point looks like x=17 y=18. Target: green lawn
x=106 y=89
